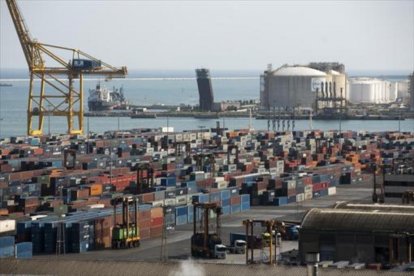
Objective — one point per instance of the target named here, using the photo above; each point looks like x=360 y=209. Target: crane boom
x=31 y=54
x=54 y=96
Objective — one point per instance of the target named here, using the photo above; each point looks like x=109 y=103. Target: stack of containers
x=190 y=213
x=102 y=233
x=235 y=204
x=245 y=202
x=144 y=221
x=169 y=217
x=6 y=247
x=181 y=214
x=38 y=237
x=157 y=222
x=225 y=202
x=24 y=250
x=50 y=236
x=80 y=236
x=24 y=229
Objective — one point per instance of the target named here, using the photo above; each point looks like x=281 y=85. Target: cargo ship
x=102 y=99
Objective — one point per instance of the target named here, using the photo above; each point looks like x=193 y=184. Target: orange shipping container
x=95 y=189
x=157 y=212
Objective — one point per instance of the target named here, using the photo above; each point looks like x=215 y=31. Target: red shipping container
x=148 y=197
x=145 y=233
x=235 y=200
x=144 y=215
x=156 y=232
x=157 y=212
x=157 y=221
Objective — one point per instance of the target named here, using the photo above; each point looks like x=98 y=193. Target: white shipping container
x=308 y=195
x=222 y=185
x=181 y=200
x=158 y=203
x=207 y=135
x=186 y=137
x=169 y=202
x=300 y=197
x=193 y=136
x=97 y=206
x=219 y=178
x=178 y=137
x=308 y=188
x=332 y=191
x=7 y=225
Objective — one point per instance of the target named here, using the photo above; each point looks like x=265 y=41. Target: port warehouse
x=34 y=180
x=364 y=234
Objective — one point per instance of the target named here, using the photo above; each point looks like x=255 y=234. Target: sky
x=222 y=35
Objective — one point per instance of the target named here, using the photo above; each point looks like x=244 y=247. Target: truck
x=204 y=242
x=250 y=241
x=237 y=247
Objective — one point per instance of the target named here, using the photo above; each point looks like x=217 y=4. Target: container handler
x=126 y=233
x=203 y=243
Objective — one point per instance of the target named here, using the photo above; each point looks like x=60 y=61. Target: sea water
x=167 y=89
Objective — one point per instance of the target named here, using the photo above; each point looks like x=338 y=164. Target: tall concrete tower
x=205 y=90
x=411 y=91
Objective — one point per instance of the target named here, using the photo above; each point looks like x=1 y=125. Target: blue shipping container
x=225 y=194
x=180 y=220
x=245 y=198
x=215 y=197
x=24 y=250
x=181 y=211
x=201 y=198
x=235 y=209
x=281 y=200
x=292 y=199
x=225 y=210
x=6 y=247
x=225 y=202
x=245 y=206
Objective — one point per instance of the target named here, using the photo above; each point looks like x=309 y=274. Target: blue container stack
x=181 y=215
x=201 y=198
x=169 y=217
x=24 y=230
x=50 y=236
x=24 y=250
x=190 y=214
x=245 y=202
x=6 y=247
x=215 y=197
x=79 y=237
x=169 y=181
x=38 y=237
x=281 y=200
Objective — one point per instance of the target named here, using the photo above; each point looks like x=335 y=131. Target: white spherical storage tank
x=292 y=86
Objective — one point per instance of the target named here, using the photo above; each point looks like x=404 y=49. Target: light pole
x=48 y=119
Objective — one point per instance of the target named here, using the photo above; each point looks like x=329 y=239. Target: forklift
x=126 y=233
x=203 y=243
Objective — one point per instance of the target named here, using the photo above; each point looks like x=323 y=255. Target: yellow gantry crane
x=59 y=91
